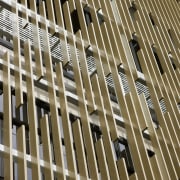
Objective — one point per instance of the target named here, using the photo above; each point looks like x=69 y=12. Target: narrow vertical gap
x=152 y=19
x=75 y=21
x=87 y=15
x=122 y=151
x=132 y=11
x=134 y=45
x=172 y=61
x=157 y=60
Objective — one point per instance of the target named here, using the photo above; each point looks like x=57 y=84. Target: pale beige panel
x=164 y=147
x=151 y=65
x=154 y=137
x=47 y=157
x=52 y=101
x=34 y=147
x=136 y=144
x=174 y=6
x=163 y=20
x=82 y=22
x=172 y=106
x=133 y=177
x=101 y=158
x=103 y=85
x=7 y=119
x=166 y=153
x=84 y=113
x=160 y=118
x=122 y=169
x=147 y=48
x=105 y=129
x=49 y=8
x=172 y=145
x=157 y=22
x=119 y=34
x=99 y=38
x=24 y=15
x=59 y=14
x=125 y=18
x=97 y=4
x=80 y=151
x=169 y=14
x=112 y=31
x=141 y=17
x=72 y=6
x=71 y=161
x=164 y=60
x=123 y=44
x=67 y=17
x=21 y=147
x=155 y=167
x=64 y=46
x=130 y=81
x=36 y=40
x=51 y=15
x=61 y=33
x=17 y=58
x=85 y=76
x=114 y=27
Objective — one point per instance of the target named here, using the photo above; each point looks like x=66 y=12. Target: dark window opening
x=75 y=21
x=154 y=117
x=72 y=117
x=152 y=20
x=171 y=36
x=132 y=11
x=150 y=153
x=87 y=15
x=178 y=105
x=172 y=61
x=100 y=16
x=27 y=142
x=19 y=113
x=63 y=1
x=96 y=132
x=122 y=151
x=1 y=168
x=158 y=61
x=134 y=45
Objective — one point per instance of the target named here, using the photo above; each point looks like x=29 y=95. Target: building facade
x=89 y=89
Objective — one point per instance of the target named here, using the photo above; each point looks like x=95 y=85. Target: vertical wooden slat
x=101 y=157
x=84 y=114
x=47 y=154
x=34 y=146
x=21 y=147
x=7 y=124
x=17 y=58
x=68 y=140
x=36 y=42
x=80 y=151
x=122 y=169
x=105 y=130
x=52 y=101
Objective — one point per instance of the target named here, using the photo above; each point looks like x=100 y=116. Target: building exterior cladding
x=89 y=89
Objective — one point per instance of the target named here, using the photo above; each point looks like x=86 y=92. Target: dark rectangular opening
x=158 y=61
x=87 y=15
x=122 y=151
x=100 y=16
x=75 y=21
x=152 y=20
x=96 y=132
x=134 y=45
